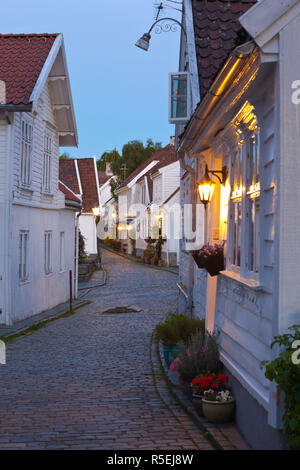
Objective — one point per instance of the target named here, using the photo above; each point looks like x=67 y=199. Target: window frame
x=48 y=252
x=183 y=119
x=25 y=175
x=23 y=267
x=62 y=252
x=47 y=163
x=244 y=194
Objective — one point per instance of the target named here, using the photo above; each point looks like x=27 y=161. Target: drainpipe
x=190 y=287
x=8 y=302
x=76 y=261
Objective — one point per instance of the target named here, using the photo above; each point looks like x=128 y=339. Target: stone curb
x=43 y=321
x=131 y=258
x=212 y=431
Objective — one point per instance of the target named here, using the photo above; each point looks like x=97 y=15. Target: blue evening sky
x=120 y=92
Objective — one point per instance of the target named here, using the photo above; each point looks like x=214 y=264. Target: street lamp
x=144 y=41
x=206 y=190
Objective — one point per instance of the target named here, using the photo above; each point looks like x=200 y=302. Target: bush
x=179 y=328
x=199 y=355
x=285 y=371
x=149 y=252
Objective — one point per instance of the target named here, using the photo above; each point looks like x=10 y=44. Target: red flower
x=215 y=386
x=222 y=378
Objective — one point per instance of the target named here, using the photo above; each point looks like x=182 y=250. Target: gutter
x=73 y=204
x=230 y=70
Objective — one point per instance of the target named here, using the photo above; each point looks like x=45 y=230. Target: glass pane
x=179 y=96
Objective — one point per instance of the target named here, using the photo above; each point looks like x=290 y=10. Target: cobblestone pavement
x=85 y=381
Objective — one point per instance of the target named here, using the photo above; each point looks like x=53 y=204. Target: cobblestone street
x=85 y=381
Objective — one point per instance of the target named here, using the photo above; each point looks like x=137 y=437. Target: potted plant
x=218 y=406
x=211 y=258
x=176 y=328
x=200 y=354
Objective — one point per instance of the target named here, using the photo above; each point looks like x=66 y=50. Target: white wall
x=87 y=227
x=41 y=291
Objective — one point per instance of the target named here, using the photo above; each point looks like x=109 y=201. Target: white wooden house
x=81 y=175
x=37 y=216
x=147 y=205
x=247 y=119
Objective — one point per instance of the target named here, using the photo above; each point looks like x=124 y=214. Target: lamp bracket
x=224 y=174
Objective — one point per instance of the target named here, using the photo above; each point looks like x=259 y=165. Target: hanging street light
x=169 y=24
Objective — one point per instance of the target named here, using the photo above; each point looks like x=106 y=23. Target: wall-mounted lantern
x=206 y=187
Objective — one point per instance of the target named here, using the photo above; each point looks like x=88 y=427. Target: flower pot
x=197 y=402
x=170 y=353
x=214 y=265
x=197 y=259
x=218 y=412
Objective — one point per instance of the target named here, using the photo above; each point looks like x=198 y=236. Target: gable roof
x=164 y=156
x=69 y=195
x=27 y=61
x=22 y=57
x=81 y=176
x=217 y=32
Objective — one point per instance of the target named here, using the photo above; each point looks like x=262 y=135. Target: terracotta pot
x=218 y=412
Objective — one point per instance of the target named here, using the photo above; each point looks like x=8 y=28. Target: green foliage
x=107 y=157
x=198 y=355
x=133 y=154
x=64 y=156
x=82 y=253
x=149 y=252
x=287 y=376
x=178 y=328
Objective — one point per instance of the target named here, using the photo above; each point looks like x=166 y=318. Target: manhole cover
x=122 y=310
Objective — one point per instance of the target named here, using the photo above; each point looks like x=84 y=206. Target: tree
x=107 y=157
x=133 y=154
x=64 y=156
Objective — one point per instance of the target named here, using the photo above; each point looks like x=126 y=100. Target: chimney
x=172 y=140
x=108 y=171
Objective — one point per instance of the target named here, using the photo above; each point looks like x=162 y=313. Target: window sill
x=26 y=188
x=24 y=283
x=63 y=271
x=46 y=193
x=49 y=274
x=251 y=283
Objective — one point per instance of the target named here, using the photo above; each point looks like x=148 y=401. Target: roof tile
x=22 y=57
x=217 y=33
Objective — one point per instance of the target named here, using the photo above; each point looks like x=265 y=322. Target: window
x=253 y=202
x=143 y=194
x=179 y=98
x=23 y=255
x=244 y=239
x=26 y=153
x=47 y=252
x=62 y=266
x=47 y=163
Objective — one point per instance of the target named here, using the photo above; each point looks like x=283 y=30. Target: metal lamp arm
x=224 y=173
x=164 y=19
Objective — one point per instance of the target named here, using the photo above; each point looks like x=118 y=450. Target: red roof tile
x=22 y=57
x=217 y=33
x=88 y=180
x=67 y=174
x=69 y=195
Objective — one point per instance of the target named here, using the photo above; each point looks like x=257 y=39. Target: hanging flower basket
x=211 y=258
